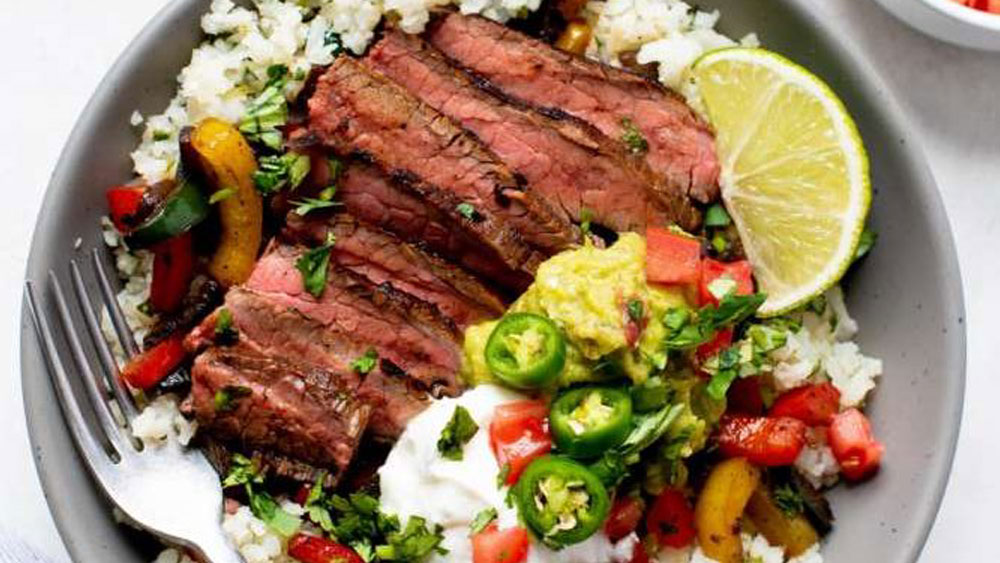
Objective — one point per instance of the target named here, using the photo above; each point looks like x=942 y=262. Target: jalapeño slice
x=526 y=351
x=587 y=421
x=561 y=501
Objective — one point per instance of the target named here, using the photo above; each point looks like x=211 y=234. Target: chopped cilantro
x=717 y=216
x=719 y=243
x=459 y=430
x=332 y=39
x=483 y=519
x=865 y=243
x=726 y=372
x=246 y=472
x=268 y=111
x=309 y=204
x=161 y=135
x=502 y=476
x=313 y=265
x=274 y=173
x=413 y=543
x=789 y=501
x=636 y=310
x=242 y=471
x=220 y=195
x=225 y=332
x=468 y=211
x=632 y=137
x=365 y=364
x=687 y=330
x=586 y=217
x=225 y=399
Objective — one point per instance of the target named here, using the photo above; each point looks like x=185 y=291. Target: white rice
x=161 y=421
x=823 y=351
x=135 y=271
x=756 y=549
x=172 y=555
x=254 y=540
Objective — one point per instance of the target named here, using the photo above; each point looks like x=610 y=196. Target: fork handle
x=217 y=549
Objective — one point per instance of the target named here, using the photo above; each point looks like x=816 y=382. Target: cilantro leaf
x=413 y=543
x=459 y=430
x=503 y=475
x=313 y=265
x=789 y=501
x=268 y=111
x=309 y=204
x=225 y=399
x=635 y=309
x=266 y=508
x=242 y=471
x=717 y=216
x=483 y=519
x=225 y=332
x=366 y=363
x=274 y=173
x=632 y=137
x=726 y=373
x=468 y=211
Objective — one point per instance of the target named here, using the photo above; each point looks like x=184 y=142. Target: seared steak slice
x=358 y=111
x=370 y=195
x=565 y=160
x=394 y=400
x=355 y=311
x=381 y=257
x=276 y=403
x=681 y=147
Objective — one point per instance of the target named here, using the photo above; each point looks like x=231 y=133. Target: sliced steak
x=276 y=403
x=565 y=160
x=681 y=147
x=412 y=334
x=382 y=257
x=394 y=400
x=358 y=111
x=394 y=206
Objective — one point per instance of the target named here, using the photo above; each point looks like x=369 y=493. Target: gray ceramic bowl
x=906 y=295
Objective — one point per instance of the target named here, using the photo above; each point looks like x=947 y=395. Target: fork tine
x=92 y=451
x=112 y=376
x=114 y=309
x=91 y=381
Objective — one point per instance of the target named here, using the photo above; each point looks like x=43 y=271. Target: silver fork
x=168 y=490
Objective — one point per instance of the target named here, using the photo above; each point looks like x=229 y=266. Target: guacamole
x=592 y=295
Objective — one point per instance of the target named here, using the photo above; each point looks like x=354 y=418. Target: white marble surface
x=57 y=51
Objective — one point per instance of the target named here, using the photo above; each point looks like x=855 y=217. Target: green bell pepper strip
x=184 y=208
x=561 y=501
x=526 y=351
x=587 y=421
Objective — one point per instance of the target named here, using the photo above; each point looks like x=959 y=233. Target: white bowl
x=949 y=21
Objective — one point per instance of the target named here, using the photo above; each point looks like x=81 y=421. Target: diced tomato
x=493 y=545
x=314 y=549
x=123 y=201
x=672 y=258
x=854 y=445
x=173 y=270
x=519 y=433
x=723 y=339
x=744 y=397
x=623 y=518
x=639 y=553
x=740 y=272
x=813 y=404
x=767 y=441
x=671 y=519
x=302 y=494
x=148 y=368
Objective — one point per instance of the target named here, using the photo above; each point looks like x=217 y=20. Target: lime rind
x=848 y=141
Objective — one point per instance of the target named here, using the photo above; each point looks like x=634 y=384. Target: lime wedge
x=794 y=171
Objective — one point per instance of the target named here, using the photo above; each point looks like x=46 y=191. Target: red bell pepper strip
x=173 y=270
x=761 y=440
x=519 y=433
x=314 y=549
x=815 y=405
x=148 y=368
x=672 y=258
x=123 y=202
x=671 y=519
x=740 y=272
x=494 y=545
x=853 y=444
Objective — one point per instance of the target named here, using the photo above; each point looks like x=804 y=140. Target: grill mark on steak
x=356 y=111
x=411 y=333
x=382 y=257
x=278 y=404
x=681 y=145
x=565 y=160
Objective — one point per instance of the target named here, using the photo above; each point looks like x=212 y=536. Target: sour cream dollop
x=416 y=480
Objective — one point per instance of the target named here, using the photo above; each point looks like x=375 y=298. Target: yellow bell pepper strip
x=720 y=506
x=228 y=163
